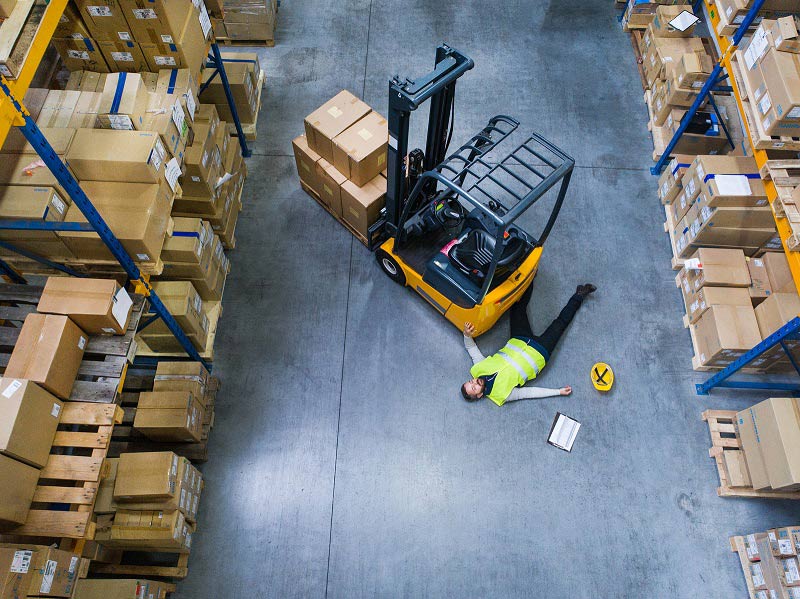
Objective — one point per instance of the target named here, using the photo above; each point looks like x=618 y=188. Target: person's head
x=472 y=390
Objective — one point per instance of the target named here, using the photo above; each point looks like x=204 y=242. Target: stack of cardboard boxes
x=640 y=13
x=732 y=13
x=38 y=571
x=340 y=160
x=246 y=80
x=133 y=35
x=248 y=20
x=720 y=201
x=733 y=302
x=771 y=563
x=149 y=501
x=40 y=375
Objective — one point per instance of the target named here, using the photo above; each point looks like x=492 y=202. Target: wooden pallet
x=17 y=35
x=635 y=37
x=64 y=499
x=342 y=222
x=669 y=228
x=128 y=440
x=724 y=438
x=105 y=359
x=785 y=175
x=143 y=564
x=761 y=139
x=226 y=41
x=739 y=548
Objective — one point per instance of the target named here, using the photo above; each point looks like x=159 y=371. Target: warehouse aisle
x=345 y=464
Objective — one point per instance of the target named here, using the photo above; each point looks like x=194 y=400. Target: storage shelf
x=20 y=85
x=760 y=156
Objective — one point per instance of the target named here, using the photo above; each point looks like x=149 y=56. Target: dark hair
x=466 y=395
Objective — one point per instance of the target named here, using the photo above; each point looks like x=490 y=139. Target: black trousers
x=521 y=326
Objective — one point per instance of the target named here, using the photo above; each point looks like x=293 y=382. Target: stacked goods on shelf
x=133 y=36
x=722 y=202
x=40 y=375
x=340 y=160
x=640 y=13
x=246 y=79
x=122 y=588
x=38 y=571
x=769 y=433
x=249 y=21
x=770 y=564
x=731 y=13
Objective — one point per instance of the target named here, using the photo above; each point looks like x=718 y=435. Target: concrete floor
x=344 y=462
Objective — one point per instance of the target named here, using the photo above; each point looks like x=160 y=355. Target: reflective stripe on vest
x=517 y=367
x=528 y=358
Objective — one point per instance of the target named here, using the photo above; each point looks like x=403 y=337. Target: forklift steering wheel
x=452 y=214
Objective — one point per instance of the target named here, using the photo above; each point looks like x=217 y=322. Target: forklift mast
x=405 y=96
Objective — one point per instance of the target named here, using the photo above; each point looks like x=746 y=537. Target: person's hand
x=469 y=329
x=565 y=390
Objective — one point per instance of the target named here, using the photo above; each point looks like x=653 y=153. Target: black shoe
x=585 y=289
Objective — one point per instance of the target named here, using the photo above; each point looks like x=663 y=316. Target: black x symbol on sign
x=600 y=377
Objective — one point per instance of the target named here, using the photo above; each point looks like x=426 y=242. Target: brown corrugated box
x=748 y=435
x=306 y=160
x=123 y=56
x=361 y=206
x=724 y=333
x=105 y=20
x=16 y=498
x=29 y=416
x=81 y=54
x=48 y=352
x=148 y=476
x=123 y=102
x=158 y=20
x=736 y=469
x=124 y=156
x=71 y=25
x=778 y=422
x=126 y=588
x=359 y=152
x=330 y=182
x=719 y=267
x=776 y=311
x=779 y=273
x=705 y=297
x=186 y=306
x=155 y=530
x=331 y=119
x=182 y=376
x=760 y=287
x=96 y=305
x=137 y=213
x=48 y=572
x=169 y=416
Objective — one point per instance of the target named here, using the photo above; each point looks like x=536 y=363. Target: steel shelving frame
x=791 y=330
x=14 y=114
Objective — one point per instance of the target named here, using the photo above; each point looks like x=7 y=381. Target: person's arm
x=472 y=349
x=536 y=393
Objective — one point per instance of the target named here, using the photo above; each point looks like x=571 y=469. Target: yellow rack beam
x=784 y=230
x=8 y=114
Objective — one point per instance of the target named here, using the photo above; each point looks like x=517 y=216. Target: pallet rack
x=725 y=70
x=14 y=114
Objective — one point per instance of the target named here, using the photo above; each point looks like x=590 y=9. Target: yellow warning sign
x=602 y=376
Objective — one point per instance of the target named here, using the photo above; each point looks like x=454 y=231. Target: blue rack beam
x=705 y=91
x=46 y=152
x=215 y=60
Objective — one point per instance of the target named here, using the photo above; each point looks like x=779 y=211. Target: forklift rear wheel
x=390 y=266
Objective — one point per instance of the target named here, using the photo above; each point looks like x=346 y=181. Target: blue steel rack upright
x=96 y=223
x=791 y=330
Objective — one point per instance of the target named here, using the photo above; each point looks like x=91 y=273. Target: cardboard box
x=665 y=14
x=123 y=103
x=330 y=182
x=749 y=434
x=760 y=287
x=49 y=351
x=332 y=118
x=785 y=34
x=780 y=276
x=158 y=20
x=720 y=268
x=169 y=416
x=780 y=106
x=776 y=311
x=705 y=297
x=693 y=70
x=736 y=469
x=97 y=306
x=125 y=588
x=81 y=54
x=86 y=111
x=32 y=203
x=58 y=108
x=361 y=206
x=244 y=91
x=670 y=183
x=182 y=376
x=778 y=425
x=70 y=25
x=190 y=241
x=190 y=53
x=165 y=116
x=781 y=541
x=148 y=476
x=724 y=333
x=359 y=152
x=789 y=571
x=306 y=160
x=86 y=81
x=137 y=213
x=37 y=571
x=124 y=156
x=154 y=530
x=105 y=503
x=123 y=56
x=16 y=498
x=29 y=416
x=186 y=306
x=105 y=20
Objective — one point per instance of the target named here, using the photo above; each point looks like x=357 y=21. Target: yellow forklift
x=448 y=230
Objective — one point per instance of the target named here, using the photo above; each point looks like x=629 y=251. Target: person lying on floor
x=502 y=377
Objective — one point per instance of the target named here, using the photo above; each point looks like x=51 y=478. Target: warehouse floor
x=344 y=462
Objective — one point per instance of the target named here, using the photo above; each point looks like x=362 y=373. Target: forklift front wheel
x=390 y=266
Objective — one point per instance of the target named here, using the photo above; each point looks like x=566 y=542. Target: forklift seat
x=473 y=256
